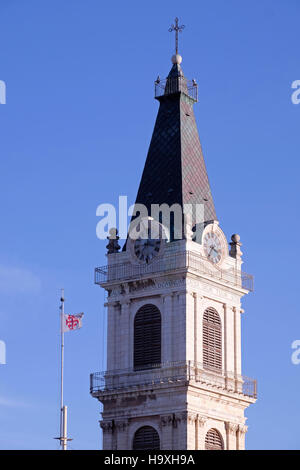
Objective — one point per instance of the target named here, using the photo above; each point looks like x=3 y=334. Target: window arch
x=146 y=438
x=212 y=340
x=147 y=337
x=213 y=440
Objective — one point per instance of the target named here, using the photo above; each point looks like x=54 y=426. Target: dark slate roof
x=175 y=170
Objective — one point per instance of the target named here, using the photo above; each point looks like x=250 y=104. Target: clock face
x=147 y=240
x=146 y=249
x=212 y=247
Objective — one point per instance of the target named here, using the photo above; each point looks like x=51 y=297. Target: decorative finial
x=113 y=245
x=177 y=29
x=235 y=244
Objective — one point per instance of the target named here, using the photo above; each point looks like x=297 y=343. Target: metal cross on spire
x=177 y=29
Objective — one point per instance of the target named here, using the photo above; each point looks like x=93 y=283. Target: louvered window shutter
x=212 y=340
x=147 y=337
x=213 y=440
x=146 y=438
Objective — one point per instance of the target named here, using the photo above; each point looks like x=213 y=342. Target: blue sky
x=74 y=133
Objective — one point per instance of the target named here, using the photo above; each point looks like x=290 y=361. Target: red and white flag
x=71 y=322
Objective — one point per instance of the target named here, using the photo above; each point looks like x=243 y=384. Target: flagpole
x=63 y=437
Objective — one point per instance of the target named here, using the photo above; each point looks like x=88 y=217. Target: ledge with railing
x=186 y=260
x=170 y=86
x=103 y=384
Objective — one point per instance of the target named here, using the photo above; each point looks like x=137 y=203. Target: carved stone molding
x=180 y=417
x=189 y=292
x=125 y=303
x=165 y=297
x=107 y=426
x=121 y=425
x=243 y=428
x=166 y=420
x=169 y=283
x=231 y=428
x=125 y=288
x=201 y=420
x=141 y=285
x=192 y=417
x=185 y=417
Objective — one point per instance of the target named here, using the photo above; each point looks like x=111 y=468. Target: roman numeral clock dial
x=146 y=240
x=146 y=249
x=212 y=247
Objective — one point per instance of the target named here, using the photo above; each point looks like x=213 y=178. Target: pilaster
x=191 y=311
x=241 y=434
x=180 y=422
x=179 y=336
x=122 y=434
x=192 y=430
x=167 y=323
x=123 y=334
x=113 y=309
x=231 y=435
x=167 y=428
x=201 y=432
x=108 y=431
x=237 y=340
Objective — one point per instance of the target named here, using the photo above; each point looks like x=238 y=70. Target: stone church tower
x=174 y=377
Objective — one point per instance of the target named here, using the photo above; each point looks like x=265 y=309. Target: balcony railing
x=176 y=373
x=185 y=260
x=174 y=85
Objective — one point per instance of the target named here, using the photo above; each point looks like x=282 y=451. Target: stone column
x=123 y=334
x=122 y=434
x=180 y=433
x=167 y=331
x=190 y=326
x=237 y=340
x=199 y=309
x=241 y=434
x=107 y=430
x=237 y=350
x=179 y=330
x=231 y=435
x=112 y=342
x=185 y=430
x=229 y=322
x=166 y=426
x=229 y=347
x=196 y=336
x=201 y=433
x=192 y=431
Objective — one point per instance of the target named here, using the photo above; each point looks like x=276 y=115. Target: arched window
x=213 y=440
x=146 y=438
x=212 y=340
x=147 y=337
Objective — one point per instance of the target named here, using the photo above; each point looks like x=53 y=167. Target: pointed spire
x=176 y=81
x=175 y=171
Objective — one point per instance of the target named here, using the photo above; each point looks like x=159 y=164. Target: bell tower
x=174 y=374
